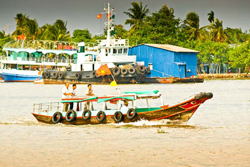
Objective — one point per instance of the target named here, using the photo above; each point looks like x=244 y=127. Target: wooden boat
x=109 y=109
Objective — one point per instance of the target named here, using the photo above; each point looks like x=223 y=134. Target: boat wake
x=21 y=121
x=157 y=124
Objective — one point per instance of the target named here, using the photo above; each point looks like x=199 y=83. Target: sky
x=81 y=14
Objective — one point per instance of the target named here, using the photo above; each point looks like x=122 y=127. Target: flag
x=113 y=83
x=99 y=16
x=108 y=16
x=21 y=37
x=103 y=70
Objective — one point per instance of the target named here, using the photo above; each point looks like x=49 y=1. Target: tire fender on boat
x=124 y=71
x=131 y=70
x=148 y=70
x=57 y=117
x=61 y=75
x=43 y=74
x=55 y=75
x=100 y=116
x=118 y=117
x=88 y=112
x=140 y=69
x=116 y=71
x=77 y=76
x=131 y=113
x=70 y=115
x=47 y=74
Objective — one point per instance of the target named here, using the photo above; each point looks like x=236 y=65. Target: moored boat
x=109 y=109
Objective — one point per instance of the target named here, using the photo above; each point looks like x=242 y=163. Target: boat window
x=119 y=51
x=114 y=51
x=109 y=50
x=125 y=50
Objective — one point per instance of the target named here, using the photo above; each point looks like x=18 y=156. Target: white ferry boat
x=27 y=60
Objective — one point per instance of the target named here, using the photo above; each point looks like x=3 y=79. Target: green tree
x=211 y=17
x=192 y=27
x=81 y=35
x=31 y=29
x=239 y=56
x=120 y=31
x=57 y=31
x=162 y=26
x=137 y=15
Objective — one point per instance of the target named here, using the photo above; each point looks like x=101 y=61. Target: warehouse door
x=182 y=71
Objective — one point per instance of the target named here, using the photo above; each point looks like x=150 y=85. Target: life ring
x=131 y=113
x=124 y=71
x=57 y=117
x=148 y=70
x=118 y=116
x=88 y=112
x=47 y=75
x=100 y=116
x=55 y=75
x=61 y=75
x=90 y=58
x=116 y=71
x=131 y=70
x=98 y=58
x=70 y=115
x=77 y=76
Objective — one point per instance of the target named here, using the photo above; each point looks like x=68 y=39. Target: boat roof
x=130 y=96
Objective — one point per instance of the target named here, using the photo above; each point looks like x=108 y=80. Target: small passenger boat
x=109 y=109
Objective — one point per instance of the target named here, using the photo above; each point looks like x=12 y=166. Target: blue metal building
x=166 y=60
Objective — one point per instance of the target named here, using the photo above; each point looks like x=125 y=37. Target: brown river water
x=217 y=135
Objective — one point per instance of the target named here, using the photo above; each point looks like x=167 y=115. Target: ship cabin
x=113 y=52
x=38 y=55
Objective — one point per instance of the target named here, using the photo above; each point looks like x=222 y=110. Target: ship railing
x=46 y=107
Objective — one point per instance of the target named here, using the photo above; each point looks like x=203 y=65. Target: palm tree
x=20 y=24
x=56 y=32
x=219 y=33
x=31 y=29
x=192 y=23
x=137 y=15
x=211 y=17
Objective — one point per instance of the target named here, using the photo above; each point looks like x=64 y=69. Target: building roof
x=172 y=48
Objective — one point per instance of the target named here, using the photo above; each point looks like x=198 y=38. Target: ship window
x=114 y=51
x=120 y=51
x=125 y=50
x=109 y=50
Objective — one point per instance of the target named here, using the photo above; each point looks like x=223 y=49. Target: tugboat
x=109 y=109
x=111 y=51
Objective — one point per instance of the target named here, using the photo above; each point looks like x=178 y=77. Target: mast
x=110 y=27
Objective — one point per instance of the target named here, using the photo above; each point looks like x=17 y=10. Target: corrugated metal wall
x=164 y=61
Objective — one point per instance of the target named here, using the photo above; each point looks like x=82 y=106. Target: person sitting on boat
x=89 y=92
x=71 y=105
x=66 y=94
x=125 y=106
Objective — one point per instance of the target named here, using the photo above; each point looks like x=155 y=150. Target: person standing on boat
x=89 y=92
x=66 y=94
x=73 y=93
